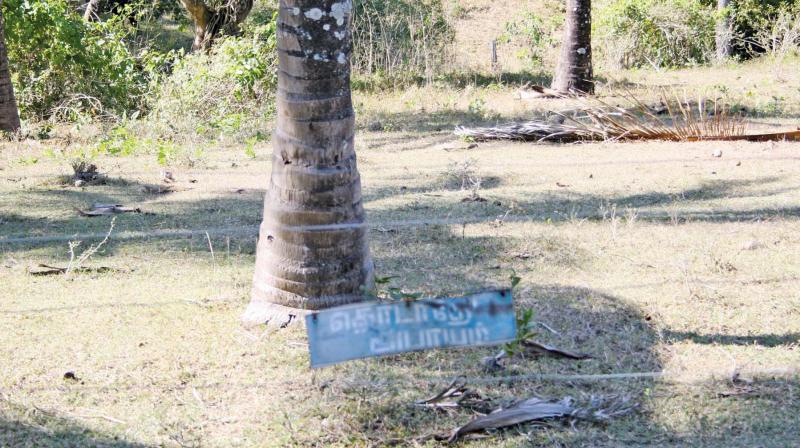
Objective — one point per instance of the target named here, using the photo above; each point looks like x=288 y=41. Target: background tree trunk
x=90 y=14
x=312 y=252
x=574 y=71
x=208 y=22
x=9 y=115
x=724 y=30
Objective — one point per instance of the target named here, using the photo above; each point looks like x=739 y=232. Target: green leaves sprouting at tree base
x=524 y=323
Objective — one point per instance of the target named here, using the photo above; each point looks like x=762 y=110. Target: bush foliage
x=536 y=36
x=221 y=91
x=400 y=38
x=64 y=66
x=662 y=33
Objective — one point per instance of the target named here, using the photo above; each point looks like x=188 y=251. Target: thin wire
x=777 y=373
x=99 y=306
x=251 y=231
x=416 y=167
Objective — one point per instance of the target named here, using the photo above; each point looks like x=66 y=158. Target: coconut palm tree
x=9 y=116
x=574 y=71
x=312 y=251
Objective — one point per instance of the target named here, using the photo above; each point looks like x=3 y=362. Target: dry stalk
x=77 y=263
x=600 y=121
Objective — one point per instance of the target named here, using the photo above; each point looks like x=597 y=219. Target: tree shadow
x=52 y=210
x=455 y=80
x=38 y=428
x=438 y=121
x=406 y=140
x=614 y=332
x=440 y=260
x=763 y=340
x=617 y=333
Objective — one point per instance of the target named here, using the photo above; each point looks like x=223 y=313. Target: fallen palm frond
x=454 y=392
x=107 y=209
x=42 y=270
x=535 y=409
x=674 y=119
x=533 y=348
x=456 y=395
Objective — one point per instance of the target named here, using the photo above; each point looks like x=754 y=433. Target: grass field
x=652 y=257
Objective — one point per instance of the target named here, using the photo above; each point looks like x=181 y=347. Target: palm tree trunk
x=312 y=252
x=724 y=30
x=9 y=116
x=574 y=71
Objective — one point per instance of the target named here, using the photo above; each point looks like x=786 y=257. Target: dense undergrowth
x=133 y=74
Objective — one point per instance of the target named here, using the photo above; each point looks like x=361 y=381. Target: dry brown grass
x=650 y=256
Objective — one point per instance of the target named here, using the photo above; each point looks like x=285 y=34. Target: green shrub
x=400 y=38
x=662 y=33
x=536 y=37
x=228 y=91
x=766 y=26
x=65 y=67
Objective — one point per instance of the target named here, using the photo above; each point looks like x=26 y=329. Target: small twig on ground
x=88 y=253
x=102 y=417
x=548 y=328
x=211 y=248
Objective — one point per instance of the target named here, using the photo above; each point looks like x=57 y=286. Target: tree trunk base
x=273 y=315
x=264 y=311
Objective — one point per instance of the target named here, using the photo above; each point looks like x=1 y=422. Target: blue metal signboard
x=377 y=329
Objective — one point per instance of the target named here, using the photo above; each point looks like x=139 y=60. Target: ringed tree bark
x=209 y=21
x=312 y=252
x=724 y=30
x=574 y=72
x=9 y=115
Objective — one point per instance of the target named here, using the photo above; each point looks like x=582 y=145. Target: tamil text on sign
x=377 y=329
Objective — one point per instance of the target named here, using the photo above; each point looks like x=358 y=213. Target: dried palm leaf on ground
x=456 y=395
x=537 y=409
x=107 y=209
x=548 y=350
x=534 y=348
x=85 y=171
x=456 y=389
x=44 y=270
x=596 y=120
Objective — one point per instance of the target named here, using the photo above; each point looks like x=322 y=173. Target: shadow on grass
x=32 y=427
x=440 y=260
x=41 y=212
x=763 y=340
x=458 y=80
x=444 y=121
x=618 y=335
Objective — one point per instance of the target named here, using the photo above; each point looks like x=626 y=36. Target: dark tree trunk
x=312 y=252
x=209 y=22
x=724 y=30
x=9 y=115
x=574 y=71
